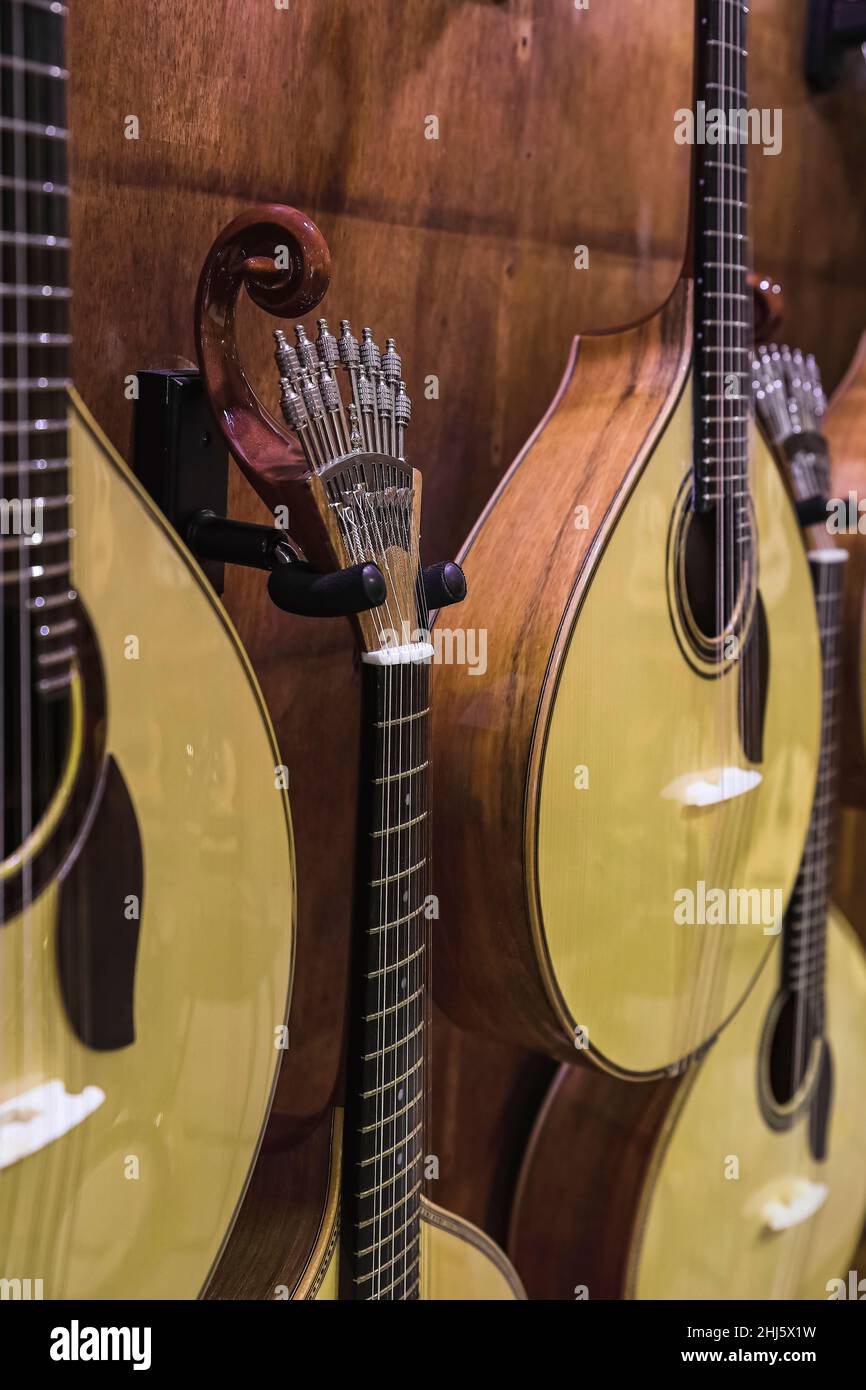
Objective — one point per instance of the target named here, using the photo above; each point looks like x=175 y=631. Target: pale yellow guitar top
x=631 y=766
x=135 y=1199
x=720 y=1176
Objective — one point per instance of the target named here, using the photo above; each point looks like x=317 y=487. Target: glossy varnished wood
x=579 y=1188
x=624 y=388
x=547 y=875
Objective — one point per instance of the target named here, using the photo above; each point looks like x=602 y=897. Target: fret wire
x=15 y=64
x=45 y=132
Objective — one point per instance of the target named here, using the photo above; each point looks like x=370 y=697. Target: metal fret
x=733 y=48
x=46 y=132
x=35 y=339
x=393 y=1236
x=380 y=1090
x=404 y=719
x=33 y=572
x=401 y=873
x=61 y=243
x=51 y=70
x=392 y=1008
x=401 y=1042
x=42 y=383
x=391 y=1119
x=384 y=1264
x=50 y=685
x=59 y=190
x=388 y=1153
x=399 y=921
x=399 y=1176
x=393 y=829
x=53 y=7
x=32 y=427
x=398 y=964
x=8 y=291
x=399 y=776
x=401 y=1280
x=43 y=601
x=382 y=1215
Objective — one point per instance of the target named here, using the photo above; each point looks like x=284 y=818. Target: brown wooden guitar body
x=583 y=1177
x=488 y=978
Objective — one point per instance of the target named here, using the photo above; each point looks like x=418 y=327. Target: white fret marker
x=713 y=786
x=33 y=1120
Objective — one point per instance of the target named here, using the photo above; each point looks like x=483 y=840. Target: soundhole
x=790 y=1050
x=713 y=597
x=36 y=734
x=711 y=584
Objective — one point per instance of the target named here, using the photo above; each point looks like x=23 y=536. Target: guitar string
x=383 y=1012
x=31 y=970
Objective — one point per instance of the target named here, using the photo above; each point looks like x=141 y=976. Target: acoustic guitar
x=337 y=469
x=745 y=1179
x=647 y=725
x=146 y=867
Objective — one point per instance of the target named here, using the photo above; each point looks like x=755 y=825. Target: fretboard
x=34 y=292
x=723 y=301
x=386 y=1103
x=804 y=951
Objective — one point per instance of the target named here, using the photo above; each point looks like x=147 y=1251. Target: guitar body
x=721 y=1113
x=458 y=1261
x=574 y=806
x=143 y=983
x=661 y=1217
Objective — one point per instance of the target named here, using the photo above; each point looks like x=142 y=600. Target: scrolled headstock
x=336 y=460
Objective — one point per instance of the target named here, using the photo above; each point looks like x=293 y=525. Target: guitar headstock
x=791 y=405
x=348 y=407
x=335 y=464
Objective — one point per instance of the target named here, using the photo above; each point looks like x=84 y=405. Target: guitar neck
x=804 y=950
x=723 y=300
x=35 y=339
x=384 y=1154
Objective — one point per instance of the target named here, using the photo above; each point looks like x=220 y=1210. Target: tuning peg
x=326 y=345
x=285 y=356
x=371 y=358
x=306 y=350
x=392 y=366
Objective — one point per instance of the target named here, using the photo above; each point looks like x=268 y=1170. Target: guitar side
x=152 y=1122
